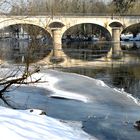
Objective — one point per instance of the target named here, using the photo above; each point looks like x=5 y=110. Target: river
x=108 y=113
x=124 y=76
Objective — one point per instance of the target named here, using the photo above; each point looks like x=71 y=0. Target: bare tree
x=11 y=78
x=122 y=6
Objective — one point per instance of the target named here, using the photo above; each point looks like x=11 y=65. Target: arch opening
x=86 y=41
x=130 y=38
x=24 y=42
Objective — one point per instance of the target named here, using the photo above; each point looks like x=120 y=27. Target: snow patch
x=23 y=125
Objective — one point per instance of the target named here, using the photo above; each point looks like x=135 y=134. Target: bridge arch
x=115 y=21
x=104 y=29
x=26 y=24
x=38 y=47
x=100 y=24
x=13 y=21
x=24 y=20
x=133 y=29
x=115 y=24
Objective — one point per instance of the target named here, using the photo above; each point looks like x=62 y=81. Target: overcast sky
x=6 y=5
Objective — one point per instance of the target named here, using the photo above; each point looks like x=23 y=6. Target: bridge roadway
x=57 y=25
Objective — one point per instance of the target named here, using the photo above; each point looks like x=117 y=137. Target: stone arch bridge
x=57 y=25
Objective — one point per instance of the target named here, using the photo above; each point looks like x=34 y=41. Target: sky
x=6 y=5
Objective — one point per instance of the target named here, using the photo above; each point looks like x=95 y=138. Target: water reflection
x=126 y=77
x=87 y=50
x=15 y=51
x=103 y=117
x=91 y=50
x=130 y=45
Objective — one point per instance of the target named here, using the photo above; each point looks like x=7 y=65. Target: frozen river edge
x=99 y=107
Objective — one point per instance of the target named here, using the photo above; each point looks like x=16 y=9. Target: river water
x=109 y=114
x=124 y=76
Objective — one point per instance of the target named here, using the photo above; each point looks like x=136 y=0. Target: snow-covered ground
x=26 y=125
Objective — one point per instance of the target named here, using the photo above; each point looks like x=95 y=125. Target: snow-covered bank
x=24 y=125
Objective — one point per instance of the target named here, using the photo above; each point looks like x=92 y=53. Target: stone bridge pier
x=57 y=43
x=116 y=46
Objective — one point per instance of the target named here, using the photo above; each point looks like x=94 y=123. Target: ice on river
x=105 y=112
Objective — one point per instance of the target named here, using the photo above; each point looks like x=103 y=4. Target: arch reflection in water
x=130 y=45
x=20 y=51
x=86 y=50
